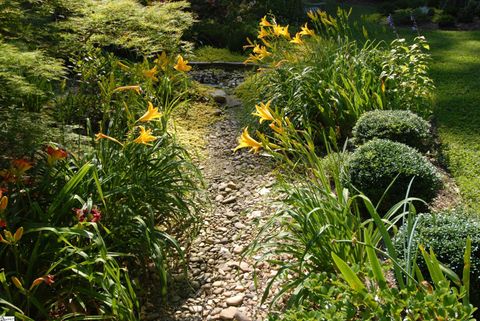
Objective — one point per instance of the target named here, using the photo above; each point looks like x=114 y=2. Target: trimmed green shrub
x=446 y=232
x=374 y=165
x=396 y=125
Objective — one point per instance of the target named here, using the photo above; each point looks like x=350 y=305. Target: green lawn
x=456 y=71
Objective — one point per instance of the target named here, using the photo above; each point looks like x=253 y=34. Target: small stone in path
x=217 y=112
x=240 y=225
x=245 y=267
x=235 y=300
x=238 y=249
x=219 y=96
x=232 y=185
x=228 y=313
x=195 y=308
x=219 y=198
x=239 y=316
x=255 y=214
x=229 y=200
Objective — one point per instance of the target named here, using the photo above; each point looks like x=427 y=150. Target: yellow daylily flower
x=135 y=88
x=265 y=23
x=162 y=60
x=246 y=141
x=264 y=112
x=281 y=31
x=182 y=65
x=152 y=113
x=312 y=15
x=145 y=136
x=151 y=74
x=261 y=51
x=103 y=136
x=297 y=39
x=263 y=33
x=306 y=31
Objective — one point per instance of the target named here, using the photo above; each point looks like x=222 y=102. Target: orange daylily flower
x=182 y=65
x=3 y=202
x=55 y=154
x=47 y=279
x=21 y=166
x=152 y=113
x=246 y=141
x=145 y=136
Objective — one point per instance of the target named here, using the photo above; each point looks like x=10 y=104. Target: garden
x=239 y=160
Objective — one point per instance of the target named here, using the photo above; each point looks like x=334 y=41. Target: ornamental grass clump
x=401 y=126
x=383 y=170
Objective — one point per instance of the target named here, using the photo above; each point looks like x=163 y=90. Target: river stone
x=228 y=313
x=235 y=300
x=219 y=96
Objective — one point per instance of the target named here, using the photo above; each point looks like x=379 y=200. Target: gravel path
x=240 y=188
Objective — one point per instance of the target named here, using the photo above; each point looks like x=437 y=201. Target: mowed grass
x=456 y=71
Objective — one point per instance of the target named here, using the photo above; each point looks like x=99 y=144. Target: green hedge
x=446 y=232
x=397 y=125
x=373 y=167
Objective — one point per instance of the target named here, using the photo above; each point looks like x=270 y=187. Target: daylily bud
x=3 y=203
x=18 y=234
x=17 y=282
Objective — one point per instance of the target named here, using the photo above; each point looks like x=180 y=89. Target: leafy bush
x=375 y=165
x=446 y=233
x=128 y=25
x=396 y=125
x=26 y=76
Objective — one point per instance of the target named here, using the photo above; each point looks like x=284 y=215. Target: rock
x=217 y=112
x=245 y=267
x=219 y=96
x=240 y=225
x=238 y=249
x=235 y=300
x=195 y=309
x=230 y=200
x=240 y=316
x=232 y=185
x=255 y=214
x=228 y=313
x=219 y=198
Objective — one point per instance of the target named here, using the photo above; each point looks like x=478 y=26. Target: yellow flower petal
x=182 y=65
x=306 y=31
x=265 y=23
x=145 y=136
x=297 y=39
x=246 y=141
x=152 y=113
x=264 y=112
x=151 y=74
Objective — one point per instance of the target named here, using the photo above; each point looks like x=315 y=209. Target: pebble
x=228 y=313
x=235 y=300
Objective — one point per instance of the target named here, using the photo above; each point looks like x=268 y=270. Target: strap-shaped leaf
x=348 y=274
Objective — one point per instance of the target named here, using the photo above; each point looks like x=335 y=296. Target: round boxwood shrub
x=374 y=165
x=397 y=125
x=446 y=233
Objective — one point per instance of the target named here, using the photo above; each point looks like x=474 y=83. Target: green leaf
x=466 y=270
x=348 y=274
